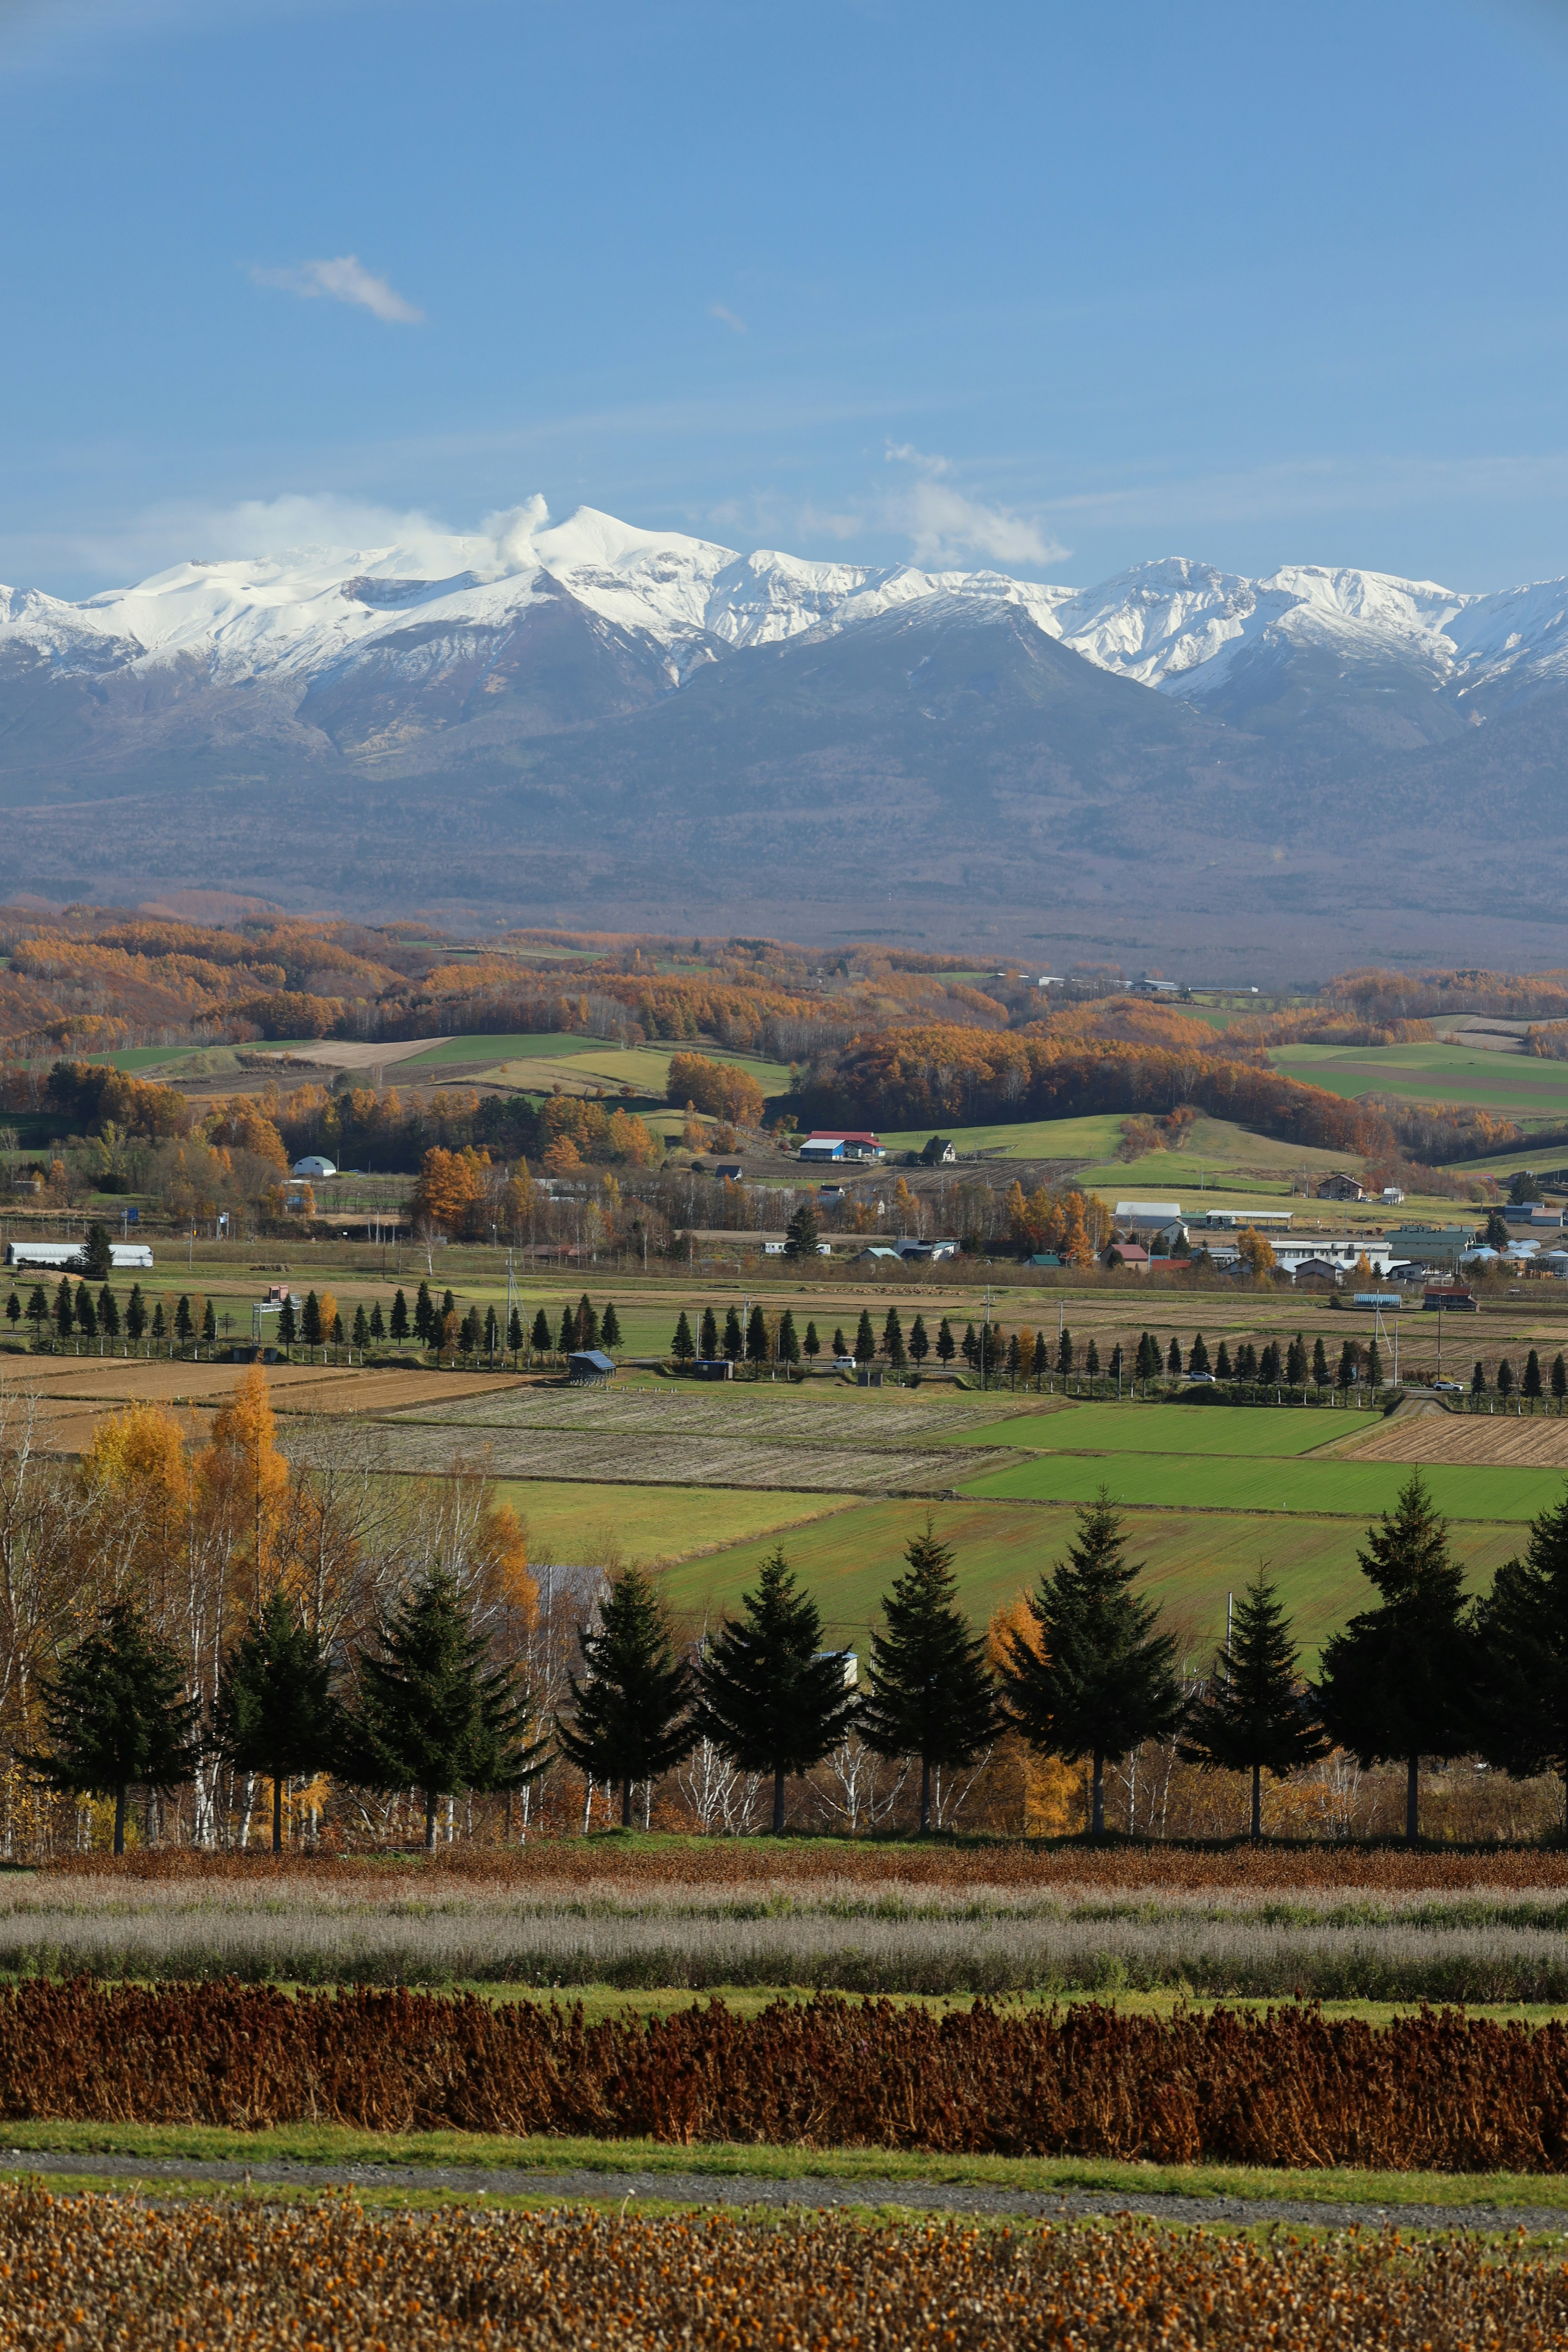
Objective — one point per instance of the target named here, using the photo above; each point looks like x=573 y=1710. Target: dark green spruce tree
x=1096 y=1677
x=1396 y=1681
x=431 y=1716
x=1522 y=1639
x=768 y=1697
x=930 y=1693
x=97 y=1253
x=276 y=1714
x=802 y=1233
x=1254 y=1716
x=631 y=1712
x=115 y=1716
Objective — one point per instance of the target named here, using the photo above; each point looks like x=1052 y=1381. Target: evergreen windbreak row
x=1086 y=1673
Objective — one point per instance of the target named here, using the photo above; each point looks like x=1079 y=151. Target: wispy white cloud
x=943 y=524
x=344 y=279
x=296 y=520
x=727 y=317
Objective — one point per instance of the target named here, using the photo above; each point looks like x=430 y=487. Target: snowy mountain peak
x=1180 y=626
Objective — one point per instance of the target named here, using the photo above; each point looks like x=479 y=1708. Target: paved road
x=810 y=2191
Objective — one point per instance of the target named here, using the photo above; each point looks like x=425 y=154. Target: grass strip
x=324 y=2143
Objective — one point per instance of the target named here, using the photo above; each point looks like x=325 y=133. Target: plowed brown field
x=74 y=1393
x=1513 y=1441
x=610 y=1457
x=780 y=1413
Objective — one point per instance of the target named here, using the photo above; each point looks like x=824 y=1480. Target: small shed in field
x=589 y=1368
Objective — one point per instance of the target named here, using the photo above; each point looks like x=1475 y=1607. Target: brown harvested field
x=779 y=1416
x=74 y=1394
x=1516 y=1442
x=612 y=1457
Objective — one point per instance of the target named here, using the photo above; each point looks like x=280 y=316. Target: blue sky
x=1037 y=286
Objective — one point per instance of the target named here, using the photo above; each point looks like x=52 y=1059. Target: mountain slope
x=611 y=722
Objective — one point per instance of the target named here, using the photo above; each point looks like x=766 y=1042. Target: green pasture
x=1243 y=1431
x=1216 y=1153
x=1520 y=1155
x=1517 y=1084
x=1191 y=1562
x=1218 y=1483
x=138 y=1059
x=1037 y=1138
x=577 y=1525
x=552 y=1046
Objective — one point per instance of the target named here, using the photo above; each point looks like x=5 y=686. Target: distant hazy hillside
x=621 y=725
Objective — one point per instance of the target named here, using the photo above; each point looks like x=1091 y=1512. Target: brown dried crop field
x=1438 y=2092
x=778 y=1414
x=89 y=2271
x=612 y=1457
x=75 y=1394
x=1517 y=1441
x=293 y=1388
x=745 y=1863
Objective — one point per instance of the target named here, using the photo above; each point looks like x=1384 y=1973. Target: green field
x=138 y=1059
x=555 y=1046
x=1160 y=1429
x=1218 y=1483
x=574 y=1524
x=1518 y=1084
x=1038 y=1139
x=848 y=1562
x=639 y=1069
x=1220 y=1157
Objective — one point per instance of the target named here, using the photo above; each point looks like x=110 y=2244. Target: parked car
x=1200 y=1379
x=843 y=1364
x=1450 y=1388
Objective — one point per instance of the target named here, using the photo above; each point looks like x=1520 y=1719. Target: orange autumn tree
x=451 y=1186
x=245 y=1480
x=138 y=1471
x=1050 y=1792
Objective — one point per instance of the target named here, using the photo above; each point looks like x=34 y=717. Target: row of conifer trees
x=432 y=1322
x=1424 y=1672
x=1089 y=1676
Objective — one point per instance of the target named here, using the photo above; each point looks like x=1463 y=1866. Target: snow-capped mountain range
x=1184 y=628
x=584 y=722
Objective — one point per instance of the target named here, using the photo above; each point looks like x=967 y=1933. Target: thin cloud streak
x=344 y=279
x=727 y=317
x=941 y=522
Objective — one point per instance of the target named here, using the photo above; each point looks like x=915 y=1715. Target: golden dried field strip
x=783 y=1415
x=248 y=2274
x=1504 y=1439
x=293 y=1388
x=613 y=1456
